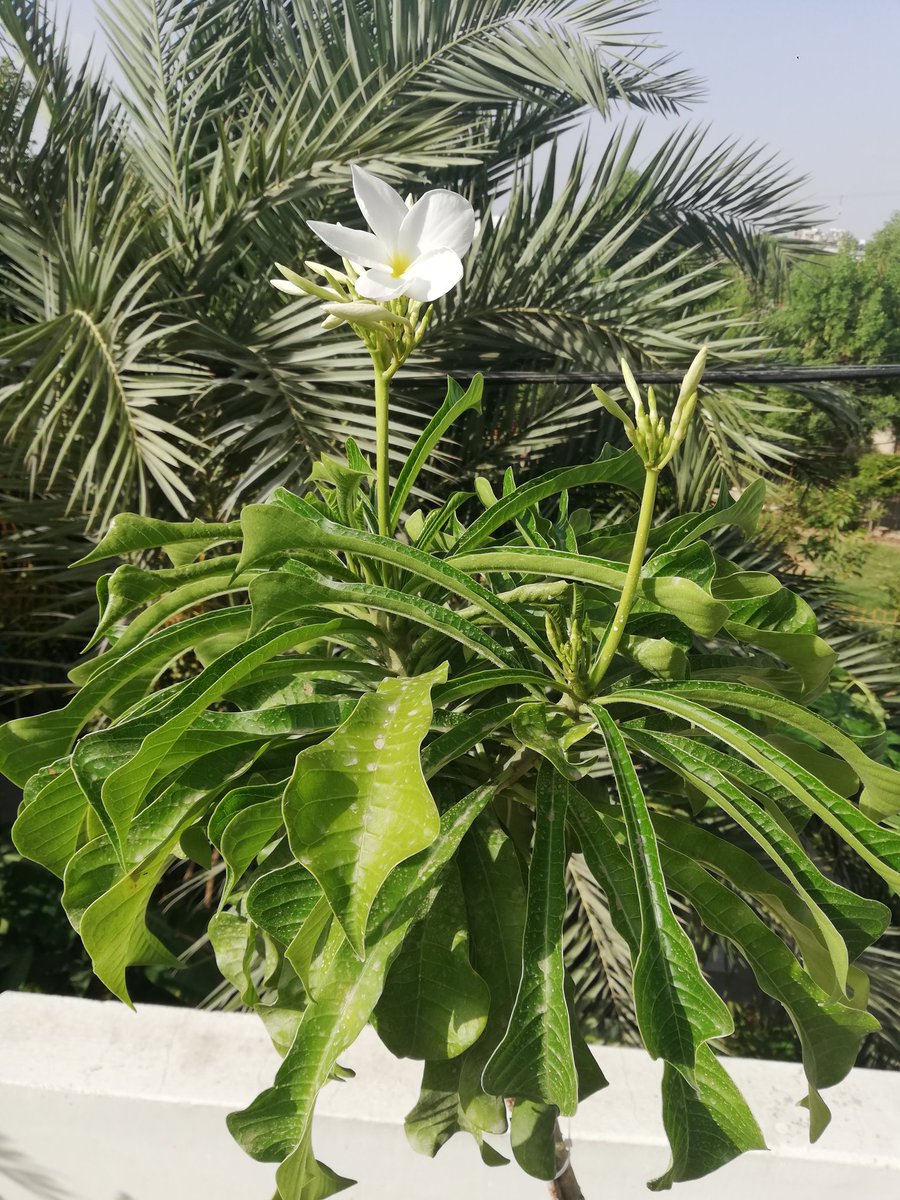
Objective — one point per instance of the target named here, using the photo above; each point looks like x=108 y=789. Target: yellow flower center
x=398 y=264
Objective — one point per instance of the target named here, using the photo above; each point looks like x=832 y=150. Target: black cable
x=765 y=376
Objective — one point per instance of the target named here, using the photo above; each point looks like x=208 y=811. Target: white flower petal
x=379 y=284
x=356 y=244
x=432 y=274
x=441 y=220
x=383 y=208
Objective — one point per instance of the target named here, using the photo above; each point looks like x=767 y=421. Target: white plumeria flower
x=412 y=251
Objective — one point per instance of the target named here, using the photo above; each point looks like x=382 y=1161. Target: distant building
x=884 y=441
x=829 y=240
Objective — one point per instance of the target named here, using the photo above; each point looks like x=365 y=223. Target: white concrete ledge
x=99 y=1103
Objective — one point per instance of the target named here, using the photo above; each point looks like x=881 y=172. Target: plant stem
x=632 y=579
x=382 y=446
x=565 y=1186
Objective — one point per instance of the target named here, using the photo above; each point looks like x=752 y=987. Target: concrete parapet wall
x=99 y=1103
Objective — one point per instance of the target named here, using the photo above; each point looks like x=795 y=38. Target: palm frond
x=139 y=233
x=90 y=378
x=599 y=961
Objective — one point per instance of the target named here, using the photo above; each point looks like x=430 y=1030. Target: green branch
x=632 y=579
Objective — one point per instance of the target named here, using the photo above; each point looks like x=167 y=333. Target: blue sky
x=815 y=80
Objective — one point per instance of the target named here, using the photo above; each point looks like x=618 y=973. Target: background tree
x=840 y=307
x=148 y=363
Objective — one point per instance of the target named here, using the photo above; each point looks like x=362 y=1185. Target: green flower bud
x=362 y=313
x=295 y=285
x=328 y=273
x=631 y=383
x=691 y=381
x=613 y=408
x=654 y=438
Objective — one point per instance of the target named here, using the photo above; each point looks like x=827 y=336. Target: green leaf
x=495 y=902
x=130 y=587
x=314 y=948
x=235 y=802
x=659 y=656
x=233 y=940
x=590 y=1078
x=288 y=681
x=742 y=870
x=98 y=754
x=830 y=1032
x=469 y=732
x=679 y=581
x=532 y=1135
x=694 y=561
x=549 y=734
x=246 y=835
x=437 y=520
x=681 y=596
x=881 y=795
x=182 y=540
x=620 y=469
x=847 y=923
x=301 y=1175
x=112 y=926
x=276 y=594
x=534 y=1061
x=280 y=901
x=610 y=866
x=677 y=1010
x=735 y=586
x=437 y=1116
x=276 y=1126
x=150 y=626
x=783 y=624
x=878 y=846
x=107 y=904
x=194 y=845
x=707 y=1121
x=31 y=742
x=357 y=804
x=476 y=683
x=124 y=788
x=743 y=512
x=345 y=478
x=455 y=404
x=270 y=529
x=840 y=777
x=434 y=1004
x=49 y=824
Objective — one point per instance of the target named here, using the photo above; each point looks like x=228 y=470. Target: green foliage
x=37 y=951
x=828 y=523
x=834 y=307
x=845 y=307
x=407 y=747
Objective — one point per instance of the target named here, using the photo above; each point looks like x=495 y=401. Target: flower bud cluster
x=397 y=325
x=570 y=636
x=341 y=303
x=655 y=439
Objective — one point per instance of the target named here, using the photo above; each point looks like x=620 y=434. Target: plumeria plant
x=403 y=724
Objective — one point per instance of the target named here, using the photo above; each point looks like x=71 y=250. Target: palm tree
x=147 y=363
